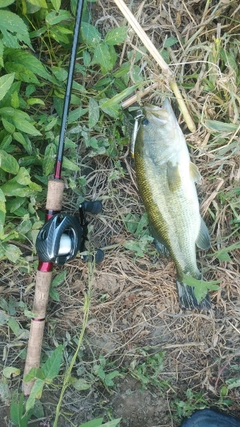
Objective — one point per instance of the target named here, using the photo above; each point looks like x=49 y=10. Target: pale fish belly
x=174 y=214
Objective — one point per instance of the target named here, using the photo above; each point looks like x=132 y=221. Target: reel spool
x=62 y=236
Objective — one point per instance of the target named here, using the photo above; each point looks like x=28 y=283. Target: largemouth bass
x=166 y=180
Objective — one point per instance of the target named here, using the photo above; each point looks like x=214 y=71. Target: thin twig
x=159 y=59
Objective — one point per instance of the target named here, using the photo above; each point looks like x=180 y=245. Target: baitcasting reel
x=62 y=236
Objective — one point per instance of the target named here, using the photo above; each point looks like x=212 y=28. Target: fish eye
x=145 y=122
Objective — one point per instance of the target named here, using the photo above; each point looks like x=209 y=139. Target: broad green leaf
x=12 y=188
x=55 y=17
x=81 y=384
x=201 y=286
x=103 y=57
x=5 y=395
x=5 y=84
x=69 y=165
x=112 y=423
x=233 y=383
x=59 y=279
x=93 y=114
x=1 y=53
x=22 y=73
x=112 y=111
x=36 y=393
x=24 y=227
x=117 y=99
x=39 y=3
x=215 y=125
x=56 y=4
x=54 y=294
x=13 y=253
x=9 y=127
x=15 y=204
x=5 y=3
x=74 y=115
x=97 y=422
x=90 y=34
x=170 y=41
x=14 y=29
x=35 y=101
x=24 y=141
x=28 y=61
x=8 y=163
x=52 y=365
x=49 y=159
x=13 y=324
x=10 y=372
x=116 y=36
x=25 y=126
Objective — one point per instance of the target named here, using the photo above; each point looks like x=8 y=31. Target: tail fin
x=187 y=299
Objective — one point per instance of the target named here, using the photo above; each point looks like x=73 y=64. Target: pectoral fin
x=194 y=173
x=203 y=239
x=173 y=177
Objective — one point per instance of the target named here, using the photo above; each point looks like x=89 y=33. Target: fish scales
x=165 y=178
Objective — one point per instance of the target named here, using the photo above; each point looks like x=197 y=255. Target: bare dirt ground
x=134 y=307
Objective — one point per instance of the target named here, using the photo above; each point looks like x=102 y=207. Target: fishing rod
x=62 y=235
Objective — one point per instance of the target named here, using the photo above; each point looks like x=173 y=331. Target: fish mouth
x=151 y=111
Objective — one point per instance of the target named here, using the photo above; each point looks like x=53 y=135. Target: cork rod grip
x=54 y=195
x=43 y=281
x=42 y=286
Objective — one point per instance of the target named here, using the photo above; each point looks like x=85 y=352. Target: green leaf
x=52 y=366
x=117 y=99
x=56 y=4
x=28 y=61
x=9 y=127
x=112 y=111
x=54 y=294
x=59 y=279
x=97 y=422
x=201 y=286
x=81 y=384
x=215 y=125
x=93 y=114
x=5 y=3
x=90 y=34
x=170 y=41
x=8 y=163
x=36 y=393
x=55 y=17
x=14 y=29
x=11 y=372
x=26 y=126
x=24 y=141
x=233 y=383
x=103 y=57
x=116 y=36
x=5 y=84
x=49 y=159
x=69 y=165
x=112 y=423
x=13 y=253
x=39 y=3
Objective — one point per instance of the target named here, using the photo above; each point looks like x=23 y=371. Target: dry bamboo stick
x=160 y=61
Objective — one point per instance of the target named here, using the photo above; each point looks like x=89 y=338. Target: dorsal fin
x=194 y=173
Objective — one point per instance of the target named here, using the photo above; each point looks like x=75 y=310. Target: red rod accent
x=58 y=170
